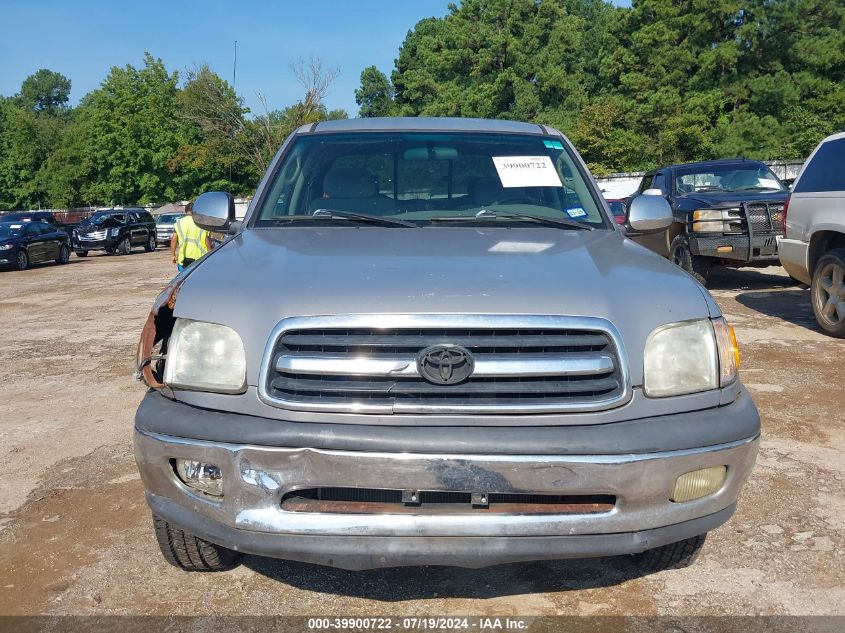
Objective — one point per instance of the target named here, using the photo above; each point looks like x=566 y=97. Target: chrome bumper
x=256 y=478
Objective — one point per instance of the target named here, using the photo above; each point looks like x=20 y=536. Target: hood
x=264 y=275
x=717 y=200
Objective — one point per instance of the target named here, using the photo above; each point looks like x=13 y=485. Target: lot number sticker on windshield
x=526 y=171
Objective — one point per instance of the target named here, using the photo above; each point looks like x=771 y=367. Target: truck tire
x=151 y=244
x=827 y=292
x=672 y=556
x=191 y=553
x=124 y=247
x=81 y=253
x=695 y=265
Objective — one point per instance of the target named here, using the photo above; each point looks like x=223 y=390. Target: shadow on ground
x=748 y=279
x=792 y=306
x=399 y=584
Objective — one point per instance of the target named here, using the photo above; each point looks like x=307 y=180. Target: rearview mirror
x=431 y=153
x=214 y=211
x=648 y=214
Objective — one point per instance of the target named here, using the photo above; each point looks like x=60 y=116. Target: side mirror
x=214 y=211
x=648 y=214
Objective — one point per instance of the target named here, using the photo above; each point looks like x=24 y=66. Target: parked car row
x=738 y=213
x=32 y=237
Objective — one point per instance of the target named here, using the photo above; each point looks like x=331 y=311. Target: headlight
x=6 y=247
x=681 y=358
x=708 y=221
x=113 y=232
x=206 y=357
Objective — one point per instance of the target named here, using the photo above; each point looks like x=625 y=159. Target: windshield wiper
x=364 y=218
x=486 y=214
x=757 y=189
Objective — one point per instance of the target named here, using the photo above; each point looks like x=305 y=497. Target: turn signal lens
x=698 y=483
x=728 y=351
x=206 y=478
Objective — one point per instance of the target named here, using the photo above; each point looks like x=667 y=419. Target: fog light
x=698 y=483
x=206 y=478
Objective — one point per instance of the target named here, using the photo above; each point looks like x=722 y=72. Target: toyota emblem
x=445 y=364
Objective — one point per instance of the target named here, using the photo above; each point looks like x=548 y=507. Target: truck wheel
x=81 y=253
x=64 y=255
x=124 y=247
x=150 y=246
x=191 y=553
x=695 y=265
x=22 y=260
x=672 y=556
x=827 y=292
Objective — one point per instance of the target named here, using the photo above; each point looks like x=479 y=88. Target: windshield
x=426 y=178
x=169 y=218
x=99 y=218
x=10 y=230
x=750 y=177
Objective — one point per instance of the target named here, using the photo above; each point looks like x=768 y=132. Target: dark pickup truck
x=115 y=231
x=727 y=213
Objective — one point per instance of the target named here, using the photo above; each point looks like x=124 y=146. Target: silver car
x=164 y=226
x=429 y=343
x=813 y=247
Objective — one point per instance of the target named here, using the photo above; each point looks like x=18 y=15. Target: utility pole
x=235 y=66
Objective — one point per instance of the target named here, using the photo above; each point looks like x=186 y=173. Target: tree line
x=146 y=135
x=660 y=82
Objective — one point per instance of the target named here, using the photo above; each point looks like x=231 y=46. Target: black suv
x=727 y=212
x=115 y=231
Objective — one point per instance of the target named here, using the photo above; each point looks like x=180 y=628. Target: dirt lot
x=75 y=535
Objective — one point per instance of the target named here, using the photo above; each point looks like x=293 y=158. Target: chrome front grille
x=93 y=235
x=763 y=217
x=368 y=364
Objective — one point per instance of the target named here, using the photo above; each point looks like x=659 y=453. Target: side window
x=45 y=228
x=645 y=183
x=826 y=171
x=32 y=230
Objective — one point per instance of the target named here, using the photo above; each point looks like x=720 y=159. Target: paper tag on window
x=526 y=171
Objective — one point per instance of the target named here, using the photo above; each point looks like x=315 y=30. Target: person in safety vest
x=189 y=242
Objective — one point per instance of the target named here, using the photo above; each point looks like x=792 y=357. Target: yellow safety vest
x=192 y=239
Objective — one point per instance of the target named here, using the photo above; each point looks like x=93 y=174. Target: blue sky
x=82 y=39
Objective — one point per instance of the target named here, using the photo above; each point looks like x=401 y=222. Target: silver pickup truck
x=429 y=343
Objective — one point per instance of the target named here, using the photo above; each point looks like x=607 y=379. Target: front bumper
x=249 y=517
x=743 y=248
x=163 y=235
x=793 y=257
x=93 y=245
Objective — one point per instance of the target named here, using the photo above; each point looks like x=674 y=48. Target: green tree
x=129 y=129
x=45 y=91
x=32 y=125
x=375 y=95
x=212 y=155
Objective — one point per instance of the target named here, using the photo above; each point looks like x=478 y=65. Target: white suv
x=812 y=249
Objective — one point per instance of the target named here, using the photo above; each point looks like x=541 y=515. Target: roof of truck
x=425 y=124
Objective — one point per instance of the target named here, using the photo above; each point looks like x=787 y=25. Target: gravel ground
x=75 y=533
